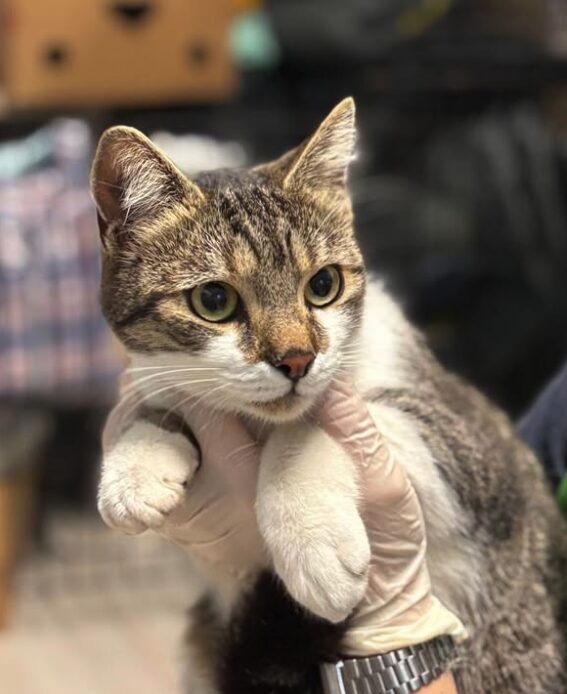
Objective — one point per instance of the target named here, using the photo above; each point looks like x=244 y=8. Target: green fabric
x=562 y=495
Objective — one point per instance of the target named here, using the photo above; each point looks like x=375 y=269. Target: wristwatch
x=402 y=671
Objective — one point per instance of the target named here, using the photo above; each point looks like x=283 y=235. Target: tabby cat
x=256 y=276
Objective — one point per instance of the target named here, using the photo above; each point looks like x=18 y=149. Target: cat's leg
x=201 y=647
x=145 y=474
x=307 y=508
x=144 y=478
x=308 y=514
x=272 y=646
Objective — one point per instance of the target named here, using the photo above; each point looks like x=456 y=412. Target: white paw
x=327 y=571
x=307 y=513
x=145 y=477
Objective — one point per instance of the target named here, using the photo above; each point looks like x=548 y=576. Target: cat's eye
x=214 y=301
x=324 y=287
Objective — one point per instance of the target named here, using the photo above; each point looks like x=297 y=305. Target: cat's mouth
x=281 y=400
x=283 y=407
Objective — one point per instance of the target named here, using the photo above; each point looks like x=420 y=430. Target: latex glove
x=399 y=608
x=215 y=519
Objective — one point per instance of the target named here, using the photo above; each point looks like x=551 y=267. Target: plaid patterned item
x=53 y=339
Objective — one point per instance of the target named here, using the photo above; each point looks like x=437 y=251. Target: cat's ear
x=132 y=179
x=323 y=160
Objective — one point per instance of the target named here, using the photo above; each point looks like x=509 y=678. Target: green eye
x=324 y=286
x=214 y=301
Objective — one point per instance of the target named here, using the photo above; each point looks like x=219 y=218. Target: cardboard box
x=16 y=512
x=115 y=52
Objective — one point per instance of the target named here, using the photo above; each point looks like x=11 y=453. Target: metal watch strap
x=402 y=671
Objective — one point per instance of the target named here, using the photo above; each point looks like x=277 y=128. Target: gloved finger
x=345 y=417
x=228 y=450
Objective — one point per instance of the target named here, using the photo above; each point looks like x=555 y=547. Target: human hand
x=399 y=608
x=152 y=478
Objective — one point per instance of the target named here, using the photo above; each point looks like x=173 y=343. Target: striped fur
x=497 y=551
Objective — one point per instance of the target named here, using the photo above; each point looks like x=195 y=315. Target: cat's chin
x=285 y=409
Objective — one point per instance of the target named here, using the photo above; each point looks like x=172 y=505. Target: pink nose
x=295 y=364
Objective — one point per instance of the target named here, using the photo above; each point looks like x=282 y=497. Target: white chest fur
x=316 y=488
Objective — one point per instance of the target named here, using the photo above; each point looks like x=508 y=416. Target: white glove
x=152 y=478
x=398 y=608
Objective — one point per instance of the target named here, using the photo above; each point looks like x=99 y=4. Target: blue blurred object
x=254 y=44
x=18 y=157
x=544 y=428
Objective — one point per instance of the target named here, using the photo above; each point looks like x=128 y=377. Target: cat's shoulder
x=397 y=367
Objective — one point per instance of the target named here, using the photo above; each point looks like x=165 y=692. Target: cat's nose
x=295 y=364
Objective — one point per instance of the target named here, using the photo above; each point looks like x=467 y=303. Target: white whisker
x=198 y=401
x=132 y=369
x=144 y=397
x=240 y=449
x=160 y=374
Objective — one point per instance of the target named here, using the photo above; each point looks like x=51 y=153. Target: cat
x=256 y=275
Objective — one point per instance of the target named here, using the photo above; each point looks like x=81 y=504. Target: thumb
x=227 y=448
x=346 y=418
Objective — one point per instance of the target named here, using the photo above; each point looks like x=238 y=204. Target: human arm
x=192 y=479
x=444 y=685
x=399 y=616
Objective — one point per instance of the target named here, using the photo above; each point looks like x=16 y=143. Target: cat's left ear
x=323 y=160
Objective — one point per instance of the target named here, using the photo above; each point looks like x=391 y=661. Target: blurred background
x=460 y=191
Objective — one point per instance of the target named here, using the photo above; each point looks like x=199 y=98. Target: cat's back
x=473 y=442
x=498 y=481
x=511 y=522
x=514 y=522
x=498 y=551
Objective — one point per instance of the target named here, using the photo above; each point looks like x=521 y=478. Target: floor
x=96 y=613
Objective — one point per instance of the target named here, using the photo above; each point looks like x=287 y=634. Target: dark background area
x=460 y=185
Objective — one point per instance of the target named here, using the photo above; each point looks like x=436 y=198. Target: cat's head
x=246 y=286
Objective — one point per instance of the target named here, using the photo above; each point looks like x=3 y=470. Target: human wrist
x=400 y=671
x=443 y=685
x=374 y=631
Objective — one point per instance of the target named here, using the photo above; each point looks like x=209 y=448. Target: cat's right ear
x=132 y=180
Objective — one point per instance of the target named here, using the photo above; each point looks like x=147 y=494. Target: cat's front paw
x=328 y=571
x=308 y=516
x=145 y=477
